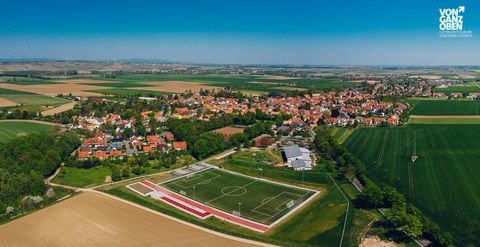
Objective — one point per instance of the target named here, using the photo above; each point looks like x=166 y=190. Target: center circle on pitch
x=234 y=191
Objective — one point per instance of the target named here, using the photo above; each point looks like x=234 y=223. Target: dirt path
x=58 y=109
x=374 y=241
x=93 y=219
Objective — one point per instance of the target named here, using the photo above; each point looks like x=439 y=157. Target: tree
x=116 y=173
x=372 y=196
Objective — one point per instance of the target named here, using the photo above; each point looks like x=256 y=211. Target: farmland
x=155 y=84
x=446 y=107
x=452 y=119
x=12 y=129
x=10 y=98
x=95 y=220
x=442 y=182
x=459 y=89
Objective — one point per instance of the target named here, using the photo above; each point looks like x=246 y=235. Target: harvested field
x=95 y=220
x=58 y=109
x=229 y=131
x=5 y=102
x=176 y=86
x=55 y=89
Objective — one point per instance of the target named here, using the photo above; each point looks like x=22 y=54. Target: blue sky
x=265 y=32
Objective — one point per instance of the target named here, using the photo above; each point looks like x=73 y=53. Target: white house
x=298 y=158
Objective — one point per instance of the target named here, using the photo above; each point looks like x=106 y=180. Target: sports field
x=446 y=107
x=443 y=182
x=257 y=200
x=10 y=130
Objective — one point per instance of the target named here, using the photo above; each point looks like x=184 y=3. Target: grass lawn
x=443 y=180
x=79 y=177
x=10 y=130
x=446 y=107
x=261 y=201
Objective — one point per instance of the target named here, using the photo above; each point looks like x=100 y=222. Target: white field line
x=289 y=213
x=181 y=176
x=346 y=213
x=226 y=212
x=226 y=194
x=199 y=183
x=295 y=209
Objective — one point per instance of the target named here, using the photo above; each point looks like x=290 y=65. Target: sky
x=340 y=32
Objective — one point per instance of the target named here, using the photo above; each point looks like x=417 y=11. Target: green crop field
x=443 y=180
x=4 y=91
x=446 y=107
x=10 y=130
x=40 y=100
x=255 y=199
x=458 y=89
x=261 y=84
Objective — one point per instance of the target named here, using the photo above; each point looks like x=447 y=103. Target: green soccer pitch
x=254 y=199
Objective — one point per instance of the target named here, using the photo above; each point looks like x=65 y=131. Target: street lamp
x=261 y=172
x=239 y=204
x=194 y=191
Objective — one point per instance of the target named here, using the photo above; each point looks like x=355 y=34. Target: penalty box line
x=276 y=208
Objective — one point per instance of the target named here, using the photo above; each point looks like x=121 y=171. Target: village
x=114 y=137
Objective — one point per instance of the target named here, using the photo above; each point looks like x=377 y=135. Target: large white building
x=298 y=158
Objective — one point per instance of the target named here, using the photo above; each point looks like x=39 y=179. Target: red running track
x=215 y=212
